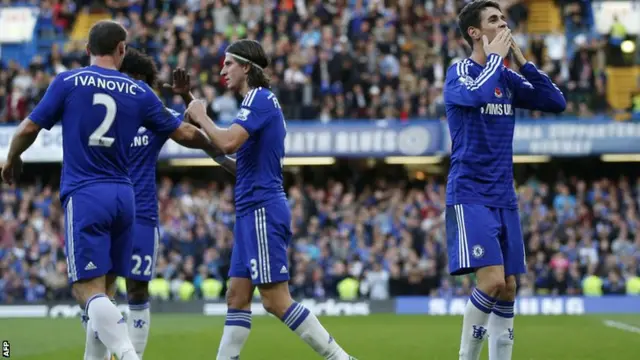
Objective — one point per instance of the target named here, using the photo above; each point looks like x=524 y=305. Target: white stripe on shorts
x=71 y=253
x=156 y=245
x=264 y=268
x=463 y=247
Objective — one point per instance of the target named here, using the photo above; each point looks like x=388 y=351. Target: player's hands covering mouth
x=500 y=45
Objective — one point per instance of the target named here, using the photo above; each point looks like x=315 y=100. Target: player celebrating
x=262 y=231
x=483 y=226
x=101 y=111
x=144 y=155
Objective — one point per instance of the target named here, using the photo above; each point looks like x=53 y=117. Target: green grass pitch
x=376 y=337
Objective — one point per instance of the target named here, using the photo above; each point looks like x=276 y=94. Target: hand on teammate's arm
x=25 y=135
x=228 y=140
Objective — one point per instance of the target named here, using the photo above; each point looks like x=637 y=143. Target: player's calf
x=490 y=283
x=501 y=323
x=139 y=320
x=237 y=325
x=104 y=317
x=94 y=348
x=277 y=301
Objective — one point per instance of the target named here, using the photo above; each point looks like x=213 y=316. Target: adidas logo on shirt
x=90 y=266
x=284 y=270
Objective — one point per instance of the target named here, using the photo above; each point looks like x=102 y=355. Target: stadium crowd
x=387 y=239
x=337 y=59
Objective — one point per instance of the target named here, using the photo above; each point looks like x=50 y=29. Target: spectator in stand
x=330 y=59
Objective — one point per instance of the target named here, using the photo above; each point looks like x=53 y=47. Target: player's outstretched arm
x=44 y=115
x=227 y=163
x=24 y=136
x=461 y=90
x=189 y=136
x=534 y=90
x=228 y=140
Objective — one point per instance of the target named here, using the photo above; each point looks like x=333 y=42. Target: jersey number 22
x=97 y=138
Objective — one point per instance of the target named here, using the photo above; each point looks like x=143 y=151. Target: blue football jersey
x=480 y=102
x=101 y=111
x=145 y=149
x=260 y=159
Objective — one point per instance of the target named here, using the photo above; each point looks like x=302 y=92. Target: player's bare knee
x=137 y=291
x=510 y=289
x=276 y=298
x=239 y=294
x=111 y=285
x=83 y=290
x=238 y=300
x=491 y=280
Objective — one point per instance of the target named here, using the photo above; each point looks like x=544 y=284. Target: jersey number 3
x=97 y=138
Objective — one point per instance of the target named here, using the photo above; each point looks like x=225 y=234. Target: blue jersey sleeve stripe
x=493 y=64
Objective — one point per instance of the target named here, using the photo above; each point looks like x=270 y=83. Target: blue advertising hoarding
x=378 y=139
x=536 y=305
x=354 y=138
x=576 y=138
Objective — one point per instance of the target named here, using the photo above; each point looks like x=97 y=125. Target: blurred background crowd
x=356 y=234
x=353 y=237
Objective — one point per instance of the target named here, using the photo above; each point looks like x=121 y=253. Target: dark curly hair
x=140 y=66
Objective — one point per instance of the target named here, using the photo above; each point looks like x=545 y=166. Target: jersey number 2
x=97 y=138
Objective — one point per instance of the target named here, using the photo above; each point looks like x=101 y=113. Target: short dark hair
x=104 y=37
x=470 y=16
x=140 y=65
x=252 y=51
